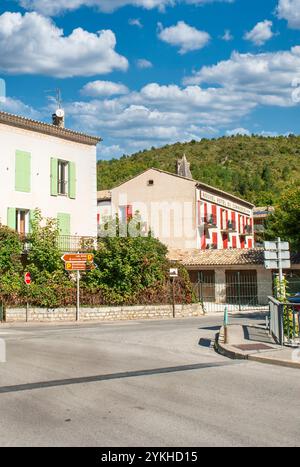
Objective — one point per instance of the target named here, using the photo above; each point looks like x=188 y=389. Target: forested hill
x=256 y=168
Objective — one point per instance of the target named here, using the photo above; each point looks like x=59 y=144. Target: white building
x=47 y=167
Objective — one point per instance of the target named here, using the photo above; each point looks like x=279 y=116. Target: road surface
x=141 y=383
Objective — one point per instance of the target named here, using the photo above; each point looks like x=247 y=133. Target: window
x=150 y=182
x=22 y=221
x=125 y=213
x=63 y=171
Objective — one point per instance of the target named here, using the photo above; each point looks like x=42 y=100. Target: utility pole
x=78 y=297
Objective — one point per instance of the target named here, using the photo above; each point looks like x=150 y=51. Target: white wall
x=83 y=210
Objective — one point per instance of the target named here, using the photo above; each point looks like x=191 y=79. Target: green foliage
x=10 y=250
x=131 y=269
x=253 y=167
x=285 y=222
x=44 y=254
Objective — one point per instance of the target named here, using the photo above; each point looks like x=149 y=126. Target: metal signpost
x=76 y=263
x=277 y=256
x=27 y=279
x=173 y=275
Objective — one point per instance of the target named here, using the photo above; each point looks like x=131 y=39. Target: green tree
x=285 y=222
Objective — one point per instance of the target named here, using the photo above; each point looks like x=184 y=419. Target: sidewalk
x=254 y=343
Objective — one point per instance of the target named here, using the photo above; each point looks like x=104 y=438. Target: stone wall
x=102 y=313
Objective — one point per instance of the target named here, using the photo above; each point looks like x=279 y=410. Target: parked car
x=295 y=300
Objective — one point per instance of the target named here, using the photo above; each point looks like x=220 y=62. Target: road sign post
x=78 y=297
x=27 y=279
x=76 y=263
x=173 y=276
x=277 y=256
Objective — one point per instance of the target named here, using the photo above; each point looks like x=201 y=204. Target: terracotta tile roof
x=47 y=129
x=222 y=257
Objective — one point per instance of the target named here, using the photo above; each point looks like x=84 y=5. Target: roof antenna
x=58 y=118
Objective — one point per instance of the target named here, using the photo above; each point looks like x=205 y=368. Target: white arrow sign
x=270 y=264
x=273 y=255
x=283 y=246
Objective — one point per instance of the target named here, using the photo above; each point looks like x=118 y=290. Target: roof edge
x=47 y=129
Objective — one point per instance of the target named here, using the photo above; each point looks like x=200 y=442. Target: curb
x=223 y=350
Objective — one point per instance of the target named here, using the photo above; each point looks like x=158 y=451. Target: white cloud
x=238 y=131
x=54 y=7
x=227 y=36
x=142 y=63
x=184 y=36
x=265 y=78
x=34 y=44
x=103 y=88
x=261 y=33
x=17 y=107
x=290 y=10
x=135 y=22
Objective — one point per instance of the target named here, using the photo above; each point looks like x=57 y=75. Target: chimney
x=58 y=118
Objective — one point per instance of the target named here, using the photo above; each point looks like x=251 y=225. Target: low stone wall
x=102 y=313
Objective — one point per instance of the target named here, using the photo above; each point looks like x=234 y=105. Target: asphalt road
x=153 y=383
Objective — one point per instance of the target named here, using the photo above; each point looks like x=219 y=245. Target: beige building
x=236 y=278
x=181 y=212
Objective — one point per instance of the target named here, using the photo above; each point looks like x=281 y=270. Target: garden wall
x=102 y=313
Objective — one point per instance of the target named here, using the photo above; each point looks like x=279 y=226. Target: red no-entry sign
x=27 y=278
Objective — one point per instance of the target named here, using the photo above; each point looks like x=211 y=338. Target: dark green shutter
x=54 y=177
x=23 y=171
x=72 y=180
x=11 y=218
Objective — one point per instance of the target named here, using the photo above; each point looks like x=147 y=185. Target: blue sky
x=142 y=73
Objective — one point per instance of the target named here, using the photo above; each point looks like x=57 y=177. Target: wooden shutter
x=72 y=180
x=54 y=177
x=129 y=213
x=11 y=218
x=215 y=239
x=64 y=223
x=23 y=171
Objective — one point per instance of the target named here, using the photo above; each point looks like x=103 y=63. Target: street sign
x=173 y=272
x=283 y=246
x=273 y=255
x=270 y=264
x=79 y=266
x=277 y=256
x=27 y=278
x=70 y=258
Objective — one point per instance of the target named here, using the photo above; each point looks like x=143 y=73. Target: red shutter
x=203 y=241
x=242 y=242
x=233 y=218
x=239 y=226
x=214 y=213
x=205 y=212
x=215 y=239
x=225 y=241
x=227 y=216
x=250 y=243
x=98 y=218
x=234 y=242
x=129 y=212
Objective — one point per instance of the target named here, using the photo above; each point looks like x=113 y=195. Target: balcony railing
x=229 y=227
x=247 y=230
x=210 y=221
x=68 y=243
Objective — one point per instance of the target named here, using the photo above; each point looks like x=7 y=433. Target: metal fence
x=239 y=292
x=285 y=322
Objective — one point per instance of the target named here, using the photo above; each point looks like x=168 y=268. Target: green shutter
x=72 y=180
x=31 y=219
x=64 y=223
x=54 y=177
x=11 y=218
x=23 y=171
